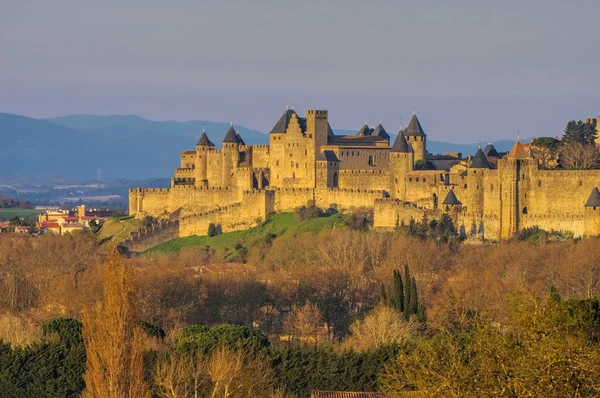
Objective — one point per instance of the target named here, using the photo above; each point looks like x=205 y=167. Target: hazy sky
x=472 y=69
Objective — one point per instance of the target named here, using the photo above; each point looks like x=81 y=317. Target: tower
x=475 y=180
x=317 y=132
x=230 y=152
x=328 y=166
x=203 y=146
x=401 y=162
x=592 y=214
x=416 y=137
x=514 y=173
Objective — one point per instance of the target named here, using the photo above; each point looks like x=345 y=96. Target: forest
x=348 y=309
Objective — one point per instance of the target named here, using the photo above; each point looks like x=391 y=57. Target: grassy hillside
x=118 y=230
x=278 y=225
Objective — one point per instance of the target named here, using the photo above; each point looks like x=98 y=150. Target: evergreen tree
x=397 y=298
x=383 y=294
x=570 y=133
x=407 y=292
x=589 y=133
x=415 y=298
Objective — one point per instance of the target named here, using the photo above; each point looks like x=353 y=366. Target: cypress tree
x=383 y=295
x=407 y=292
x=415 y=297
x=397 y=298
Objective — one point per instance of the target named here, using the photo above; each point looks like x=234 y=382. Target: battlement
x=316 y=112
x=223 y=209
x=357 y=190
x=293 y=189
x=261 y=147
x=195 y=188
x=149 y=190
x=369 y=172
x=257 y=192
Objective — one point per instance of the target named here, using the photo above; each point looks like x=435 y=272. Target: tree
x=575 y=155
x=545 y=150
x=579 y=132
x=423 y=164
x=407 y=292
x=397 y=294
x=114 y=345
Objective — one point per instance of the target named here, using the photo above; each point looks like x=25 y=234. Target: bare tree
x=579 y=156
x=114 y=345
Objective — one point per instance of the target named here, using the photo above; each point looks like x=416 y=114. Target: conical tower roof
x=518 y=151
x=400 y=145
x=365 y=130
x=490 y=151
x=451 y=199
x=204 y=141
x=414 y=128
x=240 y=139
x=231 y=136
x=480 y=161
x=379 y=131
x=594 y=199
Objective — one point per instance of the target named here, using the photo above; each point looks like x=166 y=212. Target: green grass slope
x=278 y=224
x=117 y=231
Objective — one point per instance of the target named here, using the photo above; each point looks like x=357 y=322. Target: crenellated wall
x=346 y=198
x=367 y=179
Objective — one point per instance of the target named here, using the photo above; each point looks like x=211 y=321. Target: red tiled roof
x=187 y=152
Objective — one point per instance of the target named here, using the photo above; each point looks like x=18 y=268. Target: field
x=7 y=214
x=278 y=224
x=117 y=230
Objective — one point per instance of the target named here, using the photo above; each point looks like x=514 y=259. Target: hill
x=276 y=225
x=123 y=146
x=190 y=129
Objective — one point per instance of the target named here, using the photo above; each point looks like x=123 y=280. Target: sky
x=472 y=70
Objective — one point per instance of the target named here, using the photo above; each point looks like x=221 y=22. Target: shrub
x=213 y=229
x=308 y=212
x=360 y=219
x=205 y=339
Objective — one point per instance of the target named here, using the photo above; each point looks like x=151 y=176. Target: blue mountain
x=127 y=147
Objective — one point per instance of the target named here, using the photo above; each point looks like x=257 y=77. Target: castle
x=238 y=185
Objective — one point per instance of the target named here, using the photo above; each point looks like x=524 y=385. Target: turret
x=592 y=214
x=230 y=153
x=475 y=180
x=203 y=146
x=317 y=132
x=328 y=166
x=416 y=137
x=401 y=162
x=515 y=172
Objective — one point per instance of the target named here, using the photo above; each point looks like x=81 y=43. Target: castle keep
x=238 y=185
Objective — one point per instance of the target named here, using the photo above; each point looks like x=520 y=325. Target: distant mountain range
x=123 y=146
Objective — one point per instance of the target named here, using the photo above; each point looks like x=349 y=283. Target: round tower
x=475 y=180
x=203 y=146
x=401 y=162
x=592 y=214
x=230 y=153
x=417 y=138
